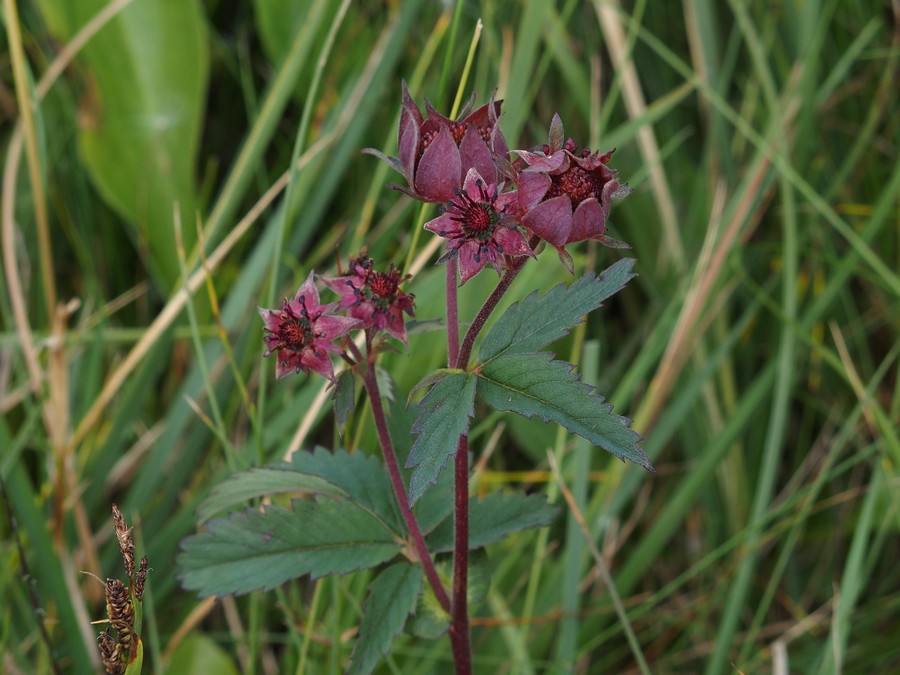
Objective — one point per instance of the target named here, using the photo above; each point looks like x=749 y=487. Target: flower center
x=294 y=332
x=477 y=217
x=577 y=183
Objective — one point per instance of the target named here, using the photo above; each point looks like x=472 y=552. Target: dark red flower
x=479 y=228
x=436 y=153
x=374 y=298
x=303 y=332
x=565 y=195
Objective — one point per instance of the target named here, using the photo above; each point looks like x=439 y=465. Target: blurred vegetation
x=757 y=350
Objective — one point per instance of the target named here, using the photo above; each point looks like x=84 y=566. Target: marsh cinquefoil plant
x=498 y=208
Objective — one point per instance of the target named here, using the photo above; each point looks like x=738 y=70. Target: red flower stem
x=490 y=305
x=390 y=458
x=452 y=315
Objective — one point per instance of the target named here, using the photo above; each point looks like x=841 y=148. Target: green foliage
x=392 y=599
x=344 y=399
x=263 y=549
x=535 y=322
x=756 y=350
x=141 y=115
x=494 y=517
x=446 y=412
x=535 y=384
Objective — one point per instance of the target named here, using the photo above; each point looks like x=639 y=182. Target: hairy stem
x=452 y=314
x=390 y=458
x=489 y=306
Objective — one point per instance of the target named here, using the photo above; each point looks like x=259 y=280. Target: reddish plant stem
x=452 y=314
x=390 y=459
x=490 y=305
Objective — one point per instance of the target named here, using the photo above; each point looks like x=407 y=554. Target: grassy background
x=757 y=350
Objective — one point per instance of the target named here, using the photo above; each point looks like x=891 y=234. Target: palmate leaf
x=261 y=549
x=534 y=384
x=445 y=417
x=392 y=599
x=495 y=516
x=535 y=322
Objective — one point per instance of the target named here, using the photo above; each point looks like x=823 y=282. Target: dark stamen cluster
x=478 y=218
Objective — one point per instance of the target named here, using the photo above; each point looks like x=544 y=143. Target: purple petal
x=408 y=143
x=287 y=363
x=394 y=324
x=512 y=242
x=439 y=170
x=435 y=116
x=475 y=154
x=588 y=221
x=468 y=266
x=334 y=327
x=541 y=162
x=444 y=226
x=498 y=142
x=473 y=183
x=531 y=189
x=551 y=220
x=319 y=362
x=482 y=116
x=505 y=201
x=310 y=295
x=410 y=105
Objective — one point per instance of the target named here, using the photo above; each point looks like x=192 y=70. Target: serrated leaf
x=533 y=384
x=391 y=601
x=535 y=322
x=261 y=549
x=344 y=399
x=363 y=478
x=495 y=516
x=445 y=417
x=260 y=482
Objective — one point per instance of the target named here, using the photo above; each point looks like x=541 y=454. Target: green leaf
x=140 y=118
x=254 y=483
x=445 y=417
x=262 y=549
x=392 y=600
x=533 y=384
x=431 y=620
x=362 y=477
x=495 y=516
x=344 y=399
x=535 y=322
x=198 y=653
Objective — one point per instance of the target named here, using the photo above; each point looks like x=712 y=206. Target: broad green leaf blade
x=140 y=118
x=533 y=384
x=495 y=516
x=445 y=417
x=362 y=477
x=262 y=549
x=199 y=653
x=260 y=483
x=344 y=399
x=535 y=322
x=392 y=600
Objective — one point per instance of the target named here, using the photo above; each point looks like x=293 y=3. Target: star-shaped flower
x=565 y=196
x=479 y=227
x=374 y=298
x=303 y=332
